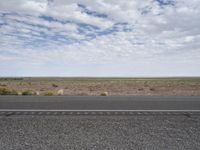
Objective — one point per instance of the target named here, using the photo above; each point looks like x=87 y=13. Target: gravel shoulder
x=100 y=132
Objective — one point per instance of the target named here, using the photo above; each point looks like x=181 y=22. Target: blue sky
x=100 y=38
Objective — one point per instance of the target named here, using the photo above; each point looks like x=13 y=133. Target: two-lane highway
x=99 y=103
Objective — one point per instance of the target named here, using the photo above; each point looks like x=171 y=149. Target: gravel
x=156 y=132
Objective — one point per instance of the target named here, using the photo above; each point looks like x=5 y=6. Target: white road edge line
x=81 y=110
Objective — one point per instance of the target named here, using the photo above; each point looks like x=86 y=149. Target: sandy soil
x=114 y=86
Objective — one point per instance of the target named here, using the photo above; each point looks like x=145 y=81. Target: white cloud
x=166 y=34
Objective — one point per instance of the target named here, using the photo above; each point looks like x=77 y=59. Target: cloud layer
x=100 y=38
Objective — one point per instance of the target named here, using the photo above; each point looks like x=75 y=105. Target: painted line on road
x=77 y=112
x=90 y=110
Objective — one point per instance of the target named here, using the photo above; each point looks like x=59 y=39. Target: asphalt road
x=100 y=103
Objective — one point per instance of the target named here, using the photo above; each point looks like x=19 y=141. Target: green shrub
x=104 y=94
x=5 y=91
x=48 y=93
x=29 y=92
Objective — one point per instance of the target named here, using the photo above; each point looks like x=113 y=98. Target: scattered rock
x=37 y=93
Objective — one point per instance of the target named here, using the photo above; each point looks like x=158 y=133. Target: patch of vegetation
x=54 y=85
x=140 y=89
x=29 y=83
x=151 y=89
x=82 y=94
x=6 y=79
x=42 y=89
x=20 y=83
x=29 y=92
x=19 y=93
x=104 y=94
x=5 y=91
x=48 y=93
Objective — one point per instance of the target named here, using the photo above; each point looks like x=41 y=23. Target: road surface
x=111 y=103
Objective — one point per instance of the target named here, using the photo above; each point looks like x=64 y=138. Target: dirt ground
x=114 y=86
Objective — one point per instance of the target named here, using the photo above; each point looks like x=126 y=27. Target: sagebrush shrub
x=5 y=91
x=104 y=94
x=29 y=92
x=48 y=93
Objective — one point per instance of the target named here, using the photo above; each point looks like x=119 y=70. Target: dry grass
x=6 y=91
x=29 y=92
x=104 y=94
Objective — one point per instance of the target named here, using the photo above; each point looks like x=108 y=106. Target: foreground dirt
x=114 y=86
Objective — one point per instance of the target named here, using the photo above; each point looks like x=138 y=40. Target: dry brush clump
x=152 y=89
x=5 y=91
x=141 y=89
x=54 y=85
x=104 y=94
x=29 y=92
x=48 y=93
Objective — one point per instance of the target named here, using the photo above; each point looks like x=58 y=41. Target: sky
x=127 y=38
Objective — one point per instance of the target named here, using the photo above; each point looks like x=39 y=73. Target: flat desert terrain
x=110 y=86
